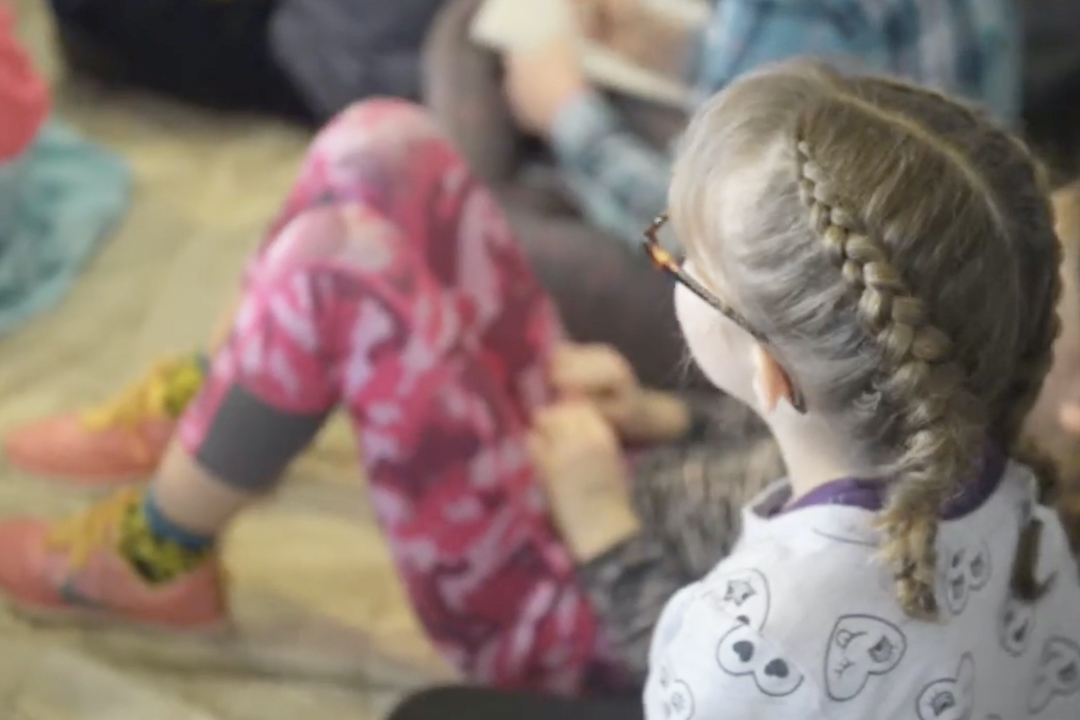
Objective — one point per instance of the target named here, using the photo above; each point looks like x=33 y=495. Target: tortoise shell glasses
x=666 y=262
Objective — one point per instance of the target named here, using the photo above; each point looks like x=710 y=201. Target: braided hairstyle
x=897 y=248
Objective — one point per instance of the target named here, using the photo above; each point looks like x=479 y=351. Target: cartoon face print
x=964 y=571
x=1058 y=674
x=1016 y=622
x=743 y=653
x=675 y=697
x=860 y=647
x=950 y=698
x=743 y=595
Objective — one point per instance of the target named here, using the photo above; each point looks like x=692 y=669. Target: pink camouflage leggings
x=391 y=285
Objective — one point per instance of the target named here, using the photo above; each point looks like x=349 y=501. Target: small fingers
x=590 y=369
x=539 y=449
x=572 y=418
x=559 y=414
x=590 y=16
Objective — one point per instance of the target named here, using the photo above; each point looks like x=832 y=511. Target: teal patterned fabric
x=58 y=202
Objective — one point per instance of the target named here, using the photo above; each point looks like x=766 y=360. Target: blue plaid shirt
x=966 y=47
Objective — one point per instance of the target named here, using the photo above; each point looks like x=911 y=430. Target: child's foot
x=76 y=570
x=118 y=442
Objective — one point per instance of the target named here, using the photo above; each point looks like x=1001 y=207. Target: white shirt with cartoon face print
x=800 y=621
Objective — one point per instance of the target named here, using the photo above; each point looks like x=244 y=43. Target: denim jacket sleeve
x=967 y=47
x=620 y=181
x=745 y=34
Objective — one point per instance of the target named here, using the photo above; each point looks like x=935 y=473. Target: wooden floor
x=322 y=629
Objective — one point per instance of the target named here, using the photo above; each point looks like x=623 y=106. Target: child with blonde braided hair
x=873 y=268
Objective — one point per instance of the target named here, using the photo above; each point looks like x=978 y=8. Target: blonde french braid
x=1036 y=355
x=943 y=443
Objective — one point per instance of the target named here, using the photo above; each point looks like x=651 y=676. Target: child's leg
x=117 y=442
x=454 y=355
x=363 y=298
x=123 y=439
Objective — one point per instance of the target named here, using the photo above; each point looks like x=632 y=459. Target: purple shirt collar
x=870 y=494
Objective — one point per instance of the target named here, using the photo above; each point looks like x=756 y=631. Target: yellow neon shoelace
x=92 y=529
x=99 y=526
x=163 y=392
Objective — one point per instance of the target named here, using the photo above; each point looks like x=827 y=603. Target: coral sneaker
x=119 y=442
x=73 y=570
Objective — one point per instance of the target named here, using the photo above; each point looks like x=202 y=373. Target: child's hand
x=574 y=445
x=578 y=457
x=634 y=30
x=601 y=375
x=541 y=80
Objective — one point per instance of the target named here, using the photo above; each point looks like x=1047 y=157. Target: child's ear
x=771 y=383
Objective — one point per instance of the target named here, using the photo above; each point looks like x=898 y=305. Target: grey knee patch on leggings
x=249 y=443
